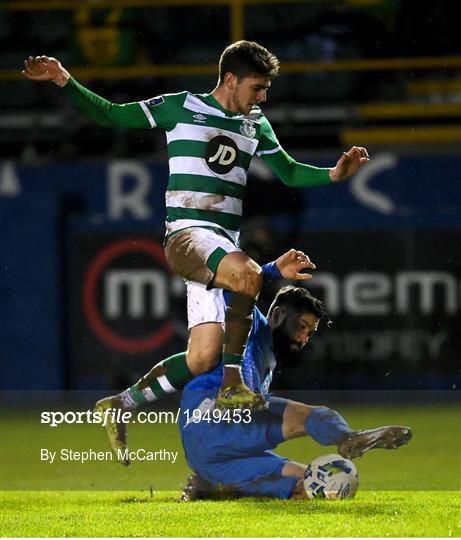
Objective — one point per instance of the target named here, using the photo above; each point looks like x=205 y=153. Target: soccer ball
x=331 y=477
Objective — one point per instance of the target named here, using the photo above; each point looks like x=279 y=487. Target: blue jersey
x=238 y=453
x=257 y=366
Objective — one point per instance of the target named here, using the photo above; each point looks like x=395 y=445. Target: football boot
x=239 y=396
x=116 y=431
x=387 y=437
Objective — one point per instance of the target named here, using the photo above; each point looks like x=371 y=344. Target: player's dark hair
x=244 y=58
x=300 y=300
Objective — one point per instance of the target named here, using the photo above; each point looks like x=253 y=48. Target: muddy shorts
x=194 y=254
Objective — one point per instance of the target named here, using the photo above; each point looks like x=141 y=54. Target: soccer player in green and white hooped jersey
x=211 y=140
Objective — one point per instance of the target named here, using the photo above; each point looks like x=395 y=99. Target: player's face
x=248 y=92
x=293 y=333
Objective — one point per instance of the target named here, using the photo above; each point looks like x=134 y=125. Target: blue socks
x=326 y=426
x=277 y=405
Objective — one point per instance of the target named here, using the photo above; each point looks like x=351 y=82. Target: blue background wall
x=42 y=206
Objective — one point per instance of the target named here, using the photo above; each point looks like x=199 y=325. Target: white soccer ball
x=331 y=477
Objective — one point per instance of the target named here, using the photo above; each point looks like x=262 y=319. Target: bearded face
x=286 y=349
x=291 y=335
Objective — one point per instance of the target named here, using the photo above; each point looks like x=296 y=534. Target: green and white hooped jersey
x=209 y=152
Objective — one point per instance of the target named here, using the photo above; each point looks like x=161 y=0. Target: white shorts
x=195 y=253
x=204 y=306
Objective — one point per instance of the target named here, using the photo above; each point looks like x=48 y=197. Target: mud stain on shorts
x=187 y=257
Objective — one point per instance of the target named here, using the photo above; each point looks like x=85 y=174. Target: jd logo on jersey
x=221 y=154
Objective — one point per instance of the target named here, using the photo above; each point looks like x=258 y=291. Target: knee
x=249 y=280
x=203 y=359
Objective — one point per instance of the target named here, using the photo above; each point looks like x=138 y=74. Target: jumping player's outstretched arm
x=102 y=111
x=295 y=174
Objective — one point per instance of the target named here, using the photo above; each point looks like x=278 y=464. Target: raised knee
x=203 y=360
x=249 y=281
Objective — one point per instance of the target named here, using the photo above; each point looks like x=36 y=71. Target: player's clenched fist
x=45 y=68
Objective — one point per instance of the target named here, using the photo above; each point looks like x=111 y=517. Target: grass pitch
x=105 y=514
x=413 y=491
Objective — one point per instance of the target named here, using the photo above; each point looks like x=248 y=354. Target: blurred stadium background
x=86 y=299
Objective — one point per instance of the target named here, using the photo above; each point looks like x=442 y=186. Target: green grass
x=429 y=514
x=413 y=491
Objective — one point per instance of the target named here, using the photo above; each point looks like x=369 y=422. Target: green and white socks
x=166 y=377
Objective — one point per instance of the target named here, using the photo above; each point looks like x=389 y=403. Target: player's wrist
x=271 y=270
x=333 y=174
x=62 y=78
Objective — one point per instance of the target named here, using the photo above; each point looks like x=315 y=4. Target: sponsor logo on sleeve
x=155 y=101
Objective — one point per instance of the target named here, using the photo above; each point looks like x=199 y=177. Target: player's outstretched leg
x=167 y=376
x=234 y=393
x=212 y=260
x=238 y=273
x=328 y=427
x=387 y=437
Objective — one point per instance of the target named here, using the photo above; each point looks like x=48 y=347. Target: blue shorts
x=238 y=454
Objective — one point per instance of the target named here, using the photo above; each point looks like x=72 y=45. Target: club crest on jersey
x=247 y=128
x=155 y=101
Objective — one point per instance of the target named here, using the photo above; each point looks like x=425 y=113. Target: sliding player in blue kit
x=231 y=450
x=219 y=451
